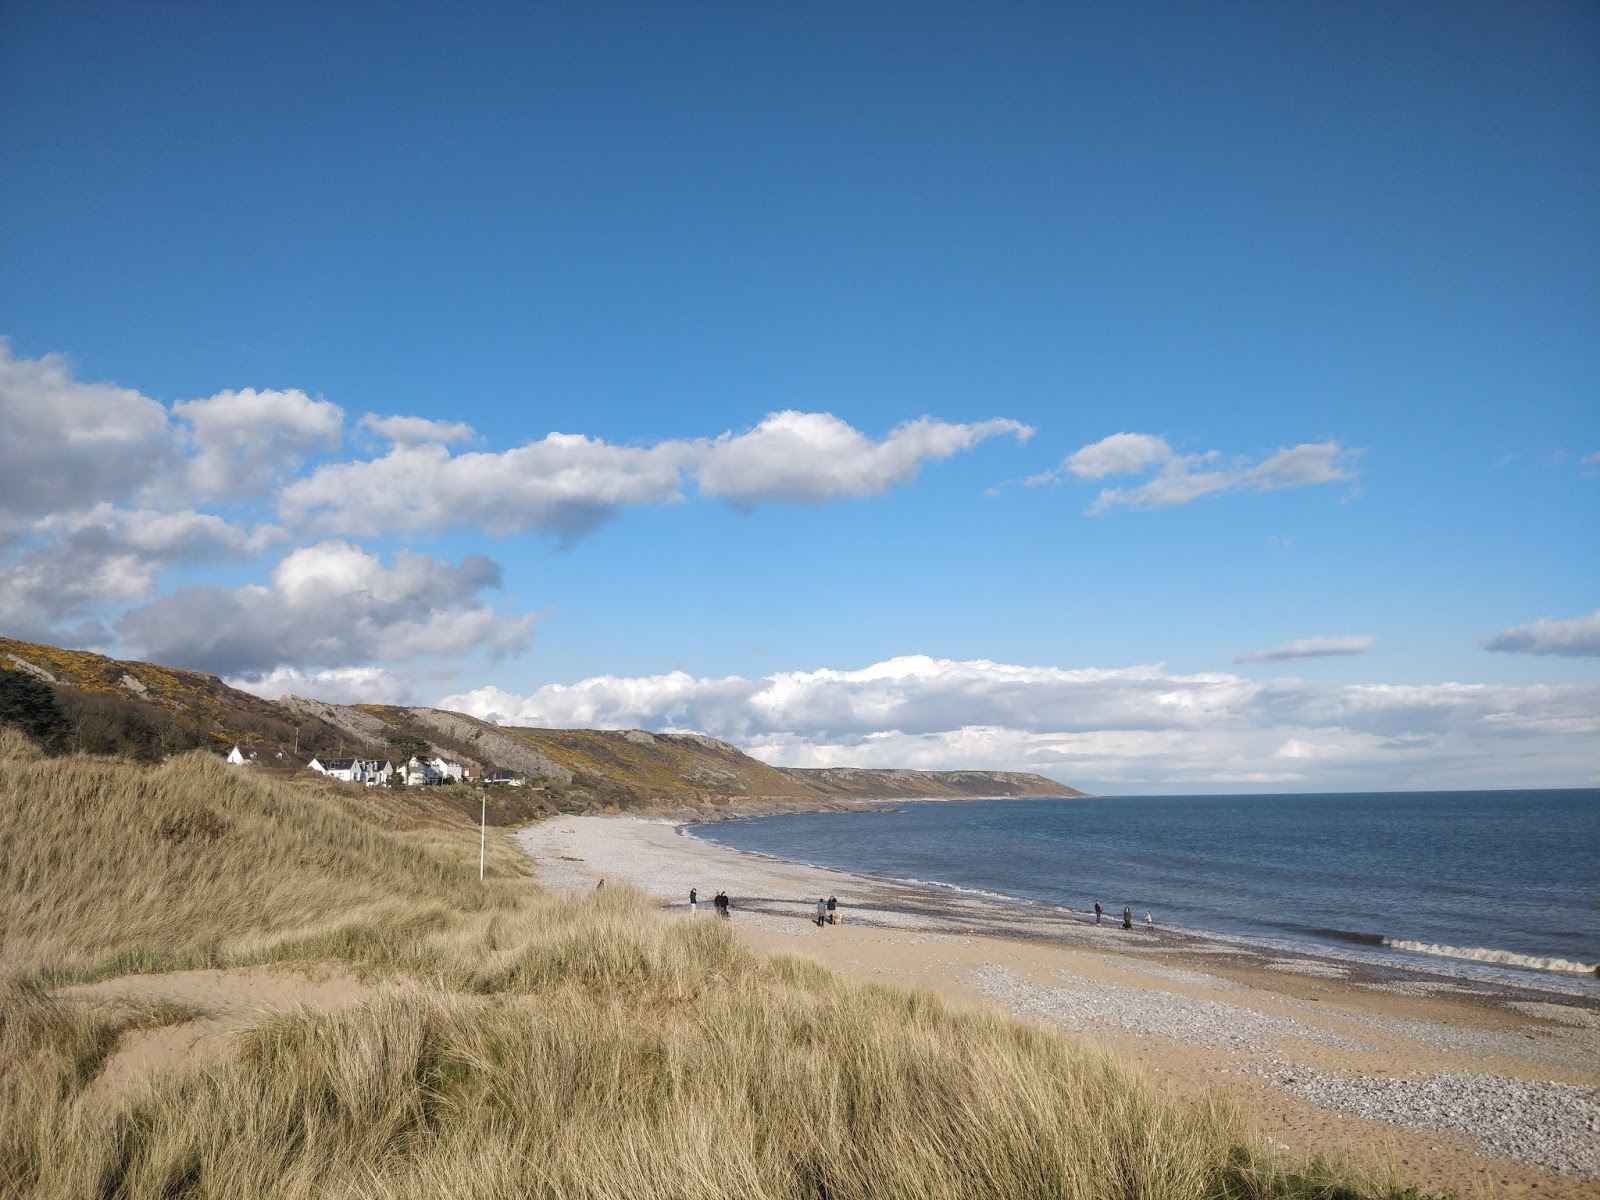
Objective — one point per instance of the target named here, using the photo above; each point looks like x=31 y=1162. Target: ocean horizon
x=1504 y=884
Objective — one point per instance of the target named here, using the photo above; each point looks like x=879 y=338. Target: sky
x=1165 y=398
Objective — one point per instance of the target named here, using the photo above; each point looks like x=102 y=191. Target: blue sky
x=1336 y=271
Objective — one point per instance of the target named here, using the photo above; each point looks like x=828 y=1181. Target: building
x=449 y=770
x=421 y=773
x=336 y=768
x=504 y=778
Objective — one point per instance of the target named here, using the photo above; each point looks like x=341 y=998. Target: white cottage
x=449 y=770
x=337 y=768
x=375 y=771
x=420 y=772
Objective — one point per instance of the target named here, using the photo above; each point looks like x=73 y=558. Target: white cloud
x=1312 y=647
x=1119 y=454
x=812 y=457
x=568 y=483
x=564 y=482
x=341 y=685
x=1119 y=727
x=327 y=606
x=81 y=563
x=1577 y=637
x=69 y=444
x=246 y=440
x=1187 y=478
x=410 y=431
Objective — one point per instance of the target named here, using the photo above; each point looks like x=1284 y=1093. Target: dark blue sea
x=1508 y=880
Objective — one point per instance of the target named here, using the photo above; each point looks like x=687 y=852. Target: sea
x=1502 y=884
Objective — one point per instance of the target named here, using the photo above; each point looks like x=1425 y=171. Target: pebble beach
x=1441 y=1082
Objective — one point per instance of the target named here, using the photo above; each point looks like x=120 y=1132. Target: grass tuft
x=523 y=1045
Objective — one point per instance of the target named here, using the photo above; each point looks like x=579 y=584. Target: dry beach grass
x=490 y=1040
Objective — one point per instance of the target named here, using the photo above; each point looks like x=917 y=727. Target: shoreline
x=1401 y=958
x=1457 y=1082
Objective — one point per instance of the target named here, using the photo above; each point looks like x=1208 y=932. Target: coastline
x=1453 y=1082
x=1370 y=955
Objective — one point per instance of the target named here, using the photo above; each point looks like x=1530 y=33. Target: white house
x=249 y=756
x=336 y=768
x=375 y=771
x=370 y=771
x=420 y=772
x=449 y=770
x=504 y=778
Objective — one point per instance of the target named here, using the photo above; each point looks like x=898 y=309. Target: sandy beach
x=1451 y=1083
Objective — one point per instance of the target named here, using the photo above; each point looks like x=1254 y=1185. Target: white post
x=483 y=832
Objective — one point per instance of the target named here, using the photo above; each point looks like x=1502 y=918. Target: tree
x=403 y=747
x=31 y=706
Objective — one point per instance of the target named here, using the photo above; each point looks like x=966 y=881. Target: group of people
x=1127 y=916
x=719 y=903
x=827 y=910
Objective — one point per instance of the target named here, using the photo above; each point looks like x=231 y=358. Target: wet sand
x=1446 y=1082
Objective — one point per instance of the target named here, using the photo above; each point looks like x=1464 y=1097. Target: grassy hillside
x=887 y=784
x=631 y=768
x=109 y=706
x=520 y=1045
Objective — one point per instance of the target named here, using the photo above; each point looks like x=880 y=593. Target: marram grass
x=523 y=1045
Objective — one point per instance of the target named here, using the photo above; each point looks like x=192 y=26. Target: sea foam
x=1505 y=958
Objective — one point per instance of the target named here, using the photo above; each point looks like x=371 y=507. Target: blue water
x=1490 y=873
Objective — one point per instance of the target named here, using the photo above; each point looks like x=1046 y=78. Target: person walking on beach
x=1127 y=917
x=694 y=901
x=833 y=910
x=723 y=905
x=822 y=912
x=1099 y=911
x=1148 y=922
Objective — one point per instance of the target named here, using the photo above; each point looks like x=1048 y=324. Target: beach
x=1451 y=1083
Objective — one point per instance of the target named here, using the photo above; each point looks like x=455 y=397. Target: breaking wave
x=1505 y=958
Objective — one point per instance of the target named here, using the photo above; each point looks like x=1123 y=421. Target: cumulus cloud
x=1577 y=637
x=247 y=439
x=1136 y=725
x=564 y=482
x=811 y=457
x=70 y=444
x=328 y=606
x=105 y=490
x=81 y=563
x=410 y=431
x=568 y=483
x=1312 y=647
x=1119 y=454
x=340 y=685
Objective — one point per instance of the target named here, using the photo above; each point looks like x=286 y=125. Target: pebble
x=1540 y=1123
x=1088 y=1004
